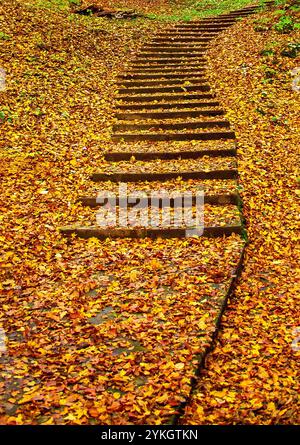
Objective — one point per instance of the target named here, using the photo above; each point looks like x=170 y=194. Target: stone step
x=163 y=76
x=170 y=64
x=203 y=163
x=175 y=136
x=174 y=69
x=171 y=55
x=167 y=36
x=100 y=233
x=173 y=39
x=166 y=97
x=166 y=52
x=167 y=155
x=209 y=21
x=175 y=34
x=169 y=114
x=204 y=33
x=168 y=60
x=164 y=176
x=158 y=49
x=164 y=125
x=164 y=214
x=201 y=28
x=218 y=200
x=245 y=9
x=202 y=25
x=174 y=45
x=159 y=82
x=238 y=14
x=167 y=106
x=205 y=30
x=176 y=185
x=165 y=89
x=179 y=39
x=176 y=49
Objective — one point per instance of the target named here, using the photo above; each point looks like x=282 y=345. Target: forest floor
x=62 y=364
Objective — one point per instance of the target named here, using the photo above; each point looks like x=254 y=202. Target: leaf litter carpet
x=111 y=331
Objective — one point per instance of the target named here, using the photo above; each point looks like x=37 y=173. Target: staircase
x=171 y=133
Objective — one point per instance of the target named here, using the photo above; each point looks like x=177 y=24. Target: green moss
x=4 y=36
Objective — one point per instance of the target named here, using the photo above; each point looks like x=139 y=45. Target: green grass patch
x=284 y=25
x=190 y=10
x=206 y=8
x=56 y=4
x=4 y=36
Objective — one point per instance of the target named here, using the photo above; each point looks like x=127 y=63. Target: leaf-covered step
x=166 y=219
x=169 y=53
x=190 y=36
x=179 y=39
x=196 y=54
x=174 y=66
x=204 y=33
x=156 y=76
x=245 y=9
x=208 y=21
x=191 y=164
x=164 y=155
x=136 y=177
x=218 y=200
x=174 y=70
x=165 y=89
x=211 y=20
x=167 y=209
x=168 y=60
x=169 y=114
x=203 y=28
x=161 y=98
x=177 y=185
x=187 y=32
x=159 y=82
x=126 y=151
x=164 y=125
x=168 y=63
x=238 y=14
x=168 y=106
x=175 y=48
x=100 y=233
x=173 y=136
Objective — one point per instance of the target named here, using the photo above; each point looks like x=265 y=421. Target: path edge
x=175 y=418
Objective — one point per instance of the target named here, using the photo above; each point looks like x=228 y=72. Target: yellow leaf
x=179 y=366
x=155 y=264
x=271 y=406
x=202 y=325
x=133 y=275
x=200 y=411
